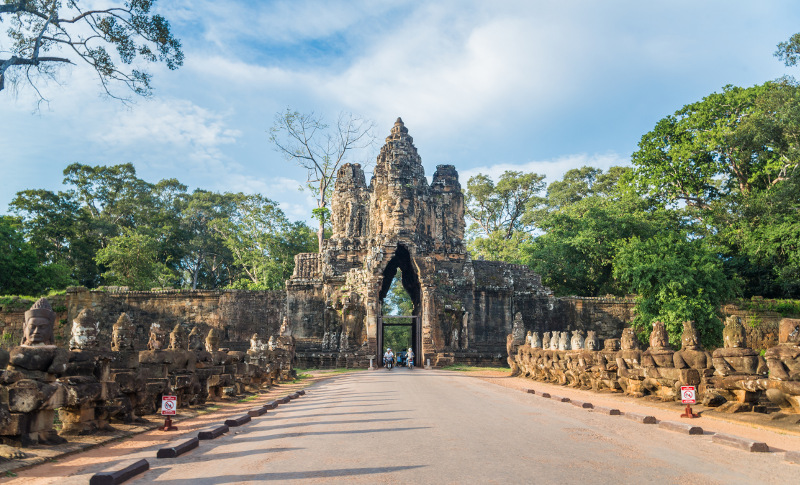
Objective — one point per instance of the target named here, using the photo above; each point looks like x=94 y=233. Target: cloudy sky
x=528 y=85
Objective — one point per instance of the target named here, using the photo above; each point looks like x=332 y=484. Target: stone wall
x=237 y=314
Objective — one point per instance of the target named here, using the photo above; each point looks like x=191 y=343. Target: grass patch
x=472 y=368
x=248 y=398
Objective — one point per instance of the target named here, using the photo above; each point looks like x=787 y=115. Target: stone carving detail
x=123 y=334
x=85 y=328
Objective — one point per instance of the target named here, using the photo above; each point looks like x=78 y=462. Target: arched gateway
x=464 y=308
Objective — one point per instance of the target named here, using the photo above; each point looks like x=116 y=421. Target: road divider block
x=302 y=392
x=238 y=421
x=581 y=404
x=605 y=410
x=212 y=432
x=530 y=391
x=792 y=456
x=120 y=473
x=559 y=398
x=271 y=405
x=545 y=395
x=256 y=412
x=741 y=443
x=179 y=449
x=641 y=418
x=684 y=428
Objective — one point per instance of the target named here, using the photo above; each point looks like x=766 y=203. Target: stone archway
x=410 y=281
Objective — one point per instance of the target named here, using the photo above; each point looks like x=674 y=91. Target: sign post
x=688 y=398
x=169 y=407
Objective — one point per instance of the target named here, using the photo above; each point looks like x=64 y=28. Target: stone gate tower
x=465 y=308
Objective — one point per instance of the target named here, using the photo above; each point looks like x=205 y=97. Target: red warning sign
x=688 y=395
x=169 y=405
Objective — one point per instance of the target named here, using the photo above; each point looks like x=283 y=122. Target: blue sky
x=540 y=86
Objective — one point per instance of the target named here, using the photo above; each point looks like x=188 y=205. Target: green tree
x=677 y=278
x=17 y=259
x=132 y=260
x=306 y=139
x=501 y=215
x=48 y=34
x=738 y=140
x=262 y=242
x=397 y=301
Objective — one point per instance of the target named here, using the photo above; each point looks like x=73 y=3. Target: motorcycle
x=388 y=363
x=410 y=363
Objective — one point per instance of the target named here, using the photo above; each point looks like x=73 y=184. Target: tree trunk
x=320 y=234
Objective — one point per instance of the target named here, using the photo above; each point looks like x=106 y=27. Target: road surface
x=424 y=426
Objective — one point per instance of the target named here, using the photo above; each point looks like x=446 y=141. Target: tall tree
x=132 y=260
x=309 y=141
x=502 y=214
x=48 y=34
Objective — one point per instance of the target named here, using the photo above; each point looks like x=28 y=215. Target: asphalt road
x=422 y=426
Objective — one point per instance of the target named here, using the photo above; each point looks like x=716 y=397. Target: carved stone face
x=611 y=344
x=659 y=337
x=554 y=341
x=546 y=340
x=536 y=341
x=271 y=342
x=563 y=341
x=38 y=331
x=177 y=338
x=212 y=341
x=255 y=342
x=39 y=321
x=196 y=340
x=592 y=342
x=123 y=334
x=576 y=343
x=84 y=332
x=690 y=337
x=629 y=340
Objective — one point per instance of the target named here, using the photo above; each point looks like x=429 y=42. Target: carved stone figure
x=737 y=370
x=629 y=364
x=85 y=328
x=604 y=374
x=38 y=328
x=518 y=329
x=212 y=340
x=661 y=376
x=196 y=343
x=123 y=334
x=536 y=341
x=177 y=338
x=783 y=360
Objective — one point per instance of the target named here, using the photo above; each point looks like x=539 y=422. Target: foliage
x=20 y=271
x=789 y=51
x=397 y=301
x=677 y=278
x=306 y=139
x=263 y=242
x=738 y=140
x=132 y=260
x=504 y=208
x=397 y=338
x=48 y=34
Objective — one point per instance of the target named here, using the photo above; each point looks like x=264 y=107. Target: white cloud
x=552 y=169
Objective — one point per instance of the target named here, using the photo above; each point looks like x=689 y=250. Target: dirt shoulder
x=780 y=431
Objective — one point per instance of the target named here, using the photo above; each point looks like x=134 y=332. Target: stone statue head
x=659 y=339
x=536 y=341
x=789 y=331
x=690 y=339
x=85 y=328
x=592 y=342
x=39 y=322
x=123 y=334
x=554 y=341
x=285 y=330
x=629 y=340
x=271 y=342
x=196 y=340
x=528 y=337
x=611 y=344
x=255 y=343
x=156 y=336
x=546 y=340
x=563 y=341
x=177 y=338
x=212 y=340
x=734 y=335
x=518 y=329
x=576 y=343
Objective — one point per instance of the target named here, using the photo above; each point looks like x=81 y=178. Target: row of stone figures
x=735 y=378
x=88 y=386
